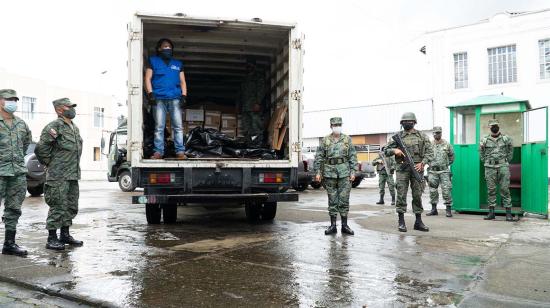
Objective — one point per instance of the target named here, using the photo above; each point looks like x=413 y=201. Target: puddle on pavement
x=213 y=245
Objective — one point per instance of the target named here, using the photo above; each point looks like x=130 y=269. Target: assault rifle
x=407 y=158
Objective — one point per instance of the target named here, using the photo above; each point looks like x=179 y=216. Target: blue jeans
x=171 y=106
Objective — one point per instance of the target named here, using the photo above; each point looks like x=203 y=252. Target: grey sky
x=357 y=52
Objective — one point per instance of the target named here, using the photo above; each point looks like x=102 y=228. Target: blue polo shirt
x=166 y=77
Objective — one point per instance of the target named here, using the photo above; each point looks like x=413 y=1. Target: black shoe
x=381 y=201
x=332 y=229
x=509 y=216
x=419 y=225
x=345 y=228
x=393 y=200
x=66 y=238
x=448 y=211
x=433 y=212
x=53 y=242
x=491 y=214
x=401 y=222
x=10 y=247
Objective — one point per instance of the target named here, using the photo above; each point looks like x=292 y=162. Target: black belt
x=437 y=168
x=496 y=161
x=336 y=161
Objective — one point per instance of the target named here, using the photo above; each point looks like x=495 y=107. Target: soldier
x=336 y=163
x=420 y=148
x=496 y=152
x=59 y=149
x=385 y=174
x=15 y=137
x=439 y=173
x=252 y=95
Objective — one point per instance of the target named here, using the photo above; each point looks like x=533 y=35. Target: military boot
x=381 y=199
x=419 y=225
x=448 y=211
x=509 y=216
x=53 y=242
x=393 y=199
x=433 y=212
x=66 y=238
x=332 y=229
x=491 y=214
x=345 y=228
x=10 y=248
x=401 y=222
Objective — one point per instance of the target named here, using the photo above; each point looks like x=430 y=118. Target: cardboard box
x=230 y=132
x=194 y=115
x=229 y=121
x=187 y=126
x=212 y=119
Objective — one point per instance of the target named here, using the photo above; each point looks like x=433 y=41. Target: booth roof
x=490 y=100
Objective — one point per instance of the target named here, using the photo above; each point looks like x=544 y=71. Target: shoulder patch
x=53 y=133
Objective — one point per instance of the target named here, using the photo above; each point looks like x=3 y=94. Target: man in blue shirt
x=166 y=90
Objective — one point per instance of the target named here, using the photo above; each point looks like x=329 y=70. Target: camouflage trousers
x=403 y=180
x=499 y=176
x=13 y=190
x=338 y=190
x=62 y=198
x=384 y=178
x=443 y=179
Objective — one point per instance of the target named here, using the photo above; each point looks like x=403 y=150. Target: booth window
x=544 y=55
x=502 y=64
x=465 y=126
x=461 y=70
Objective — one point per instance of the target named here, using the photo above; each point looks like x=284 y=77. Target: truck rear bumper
x=205 y=198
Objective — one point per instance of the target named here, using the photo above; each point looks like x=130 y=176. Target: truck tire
x=169 y=213
x=253 y=211
x=300 y=187
x=125 y=181
x=269 y=210
x=356 y=182
x=315 y=185
x=152 y=213
x=36 y=191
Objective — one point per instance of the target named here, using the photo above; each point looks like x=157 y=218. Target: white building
x=508 y=54
x=95 y=115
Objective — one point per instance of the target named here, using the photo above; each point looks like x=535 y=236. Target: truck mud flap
x=205 y=198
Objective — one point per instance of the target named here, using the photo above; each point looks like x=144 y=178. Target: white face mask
x=337 y=129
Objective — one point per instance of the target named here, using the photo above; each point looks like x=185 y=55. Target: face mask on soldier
x=337 y=129
x=10 y=106
x=408 y=125
x=495 y=129
x=69 y=114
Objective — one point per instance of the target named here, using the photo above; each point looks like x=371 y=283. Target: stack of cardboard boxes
x=211 y=116
x=193 y=118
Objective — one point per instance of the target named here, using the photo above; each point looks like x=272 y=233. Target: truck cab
x=118 y=166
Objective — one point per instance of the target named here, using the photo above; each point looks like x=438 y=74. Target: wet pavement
x=213 y=257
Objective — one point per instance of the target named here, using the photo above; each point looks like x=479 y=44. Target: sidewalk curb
x=57 y=293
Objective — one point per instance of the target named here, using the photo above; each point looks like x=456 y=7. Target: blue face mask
x=166 y=53
x=10 y=106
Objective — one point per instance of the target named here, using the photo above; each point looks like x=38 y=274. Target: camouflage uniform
x=252 y=93
x=383 y=175
x=59 y=149
x=439 y=173
x=339 y=160
x=420 y=148
x=496 y=154
x=14 y=141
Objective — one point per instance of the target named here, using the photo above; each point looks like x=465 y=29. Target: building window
x=461 y=70
x=28 y=107
x=98 y=116
x=502 y=64
x=544 y=52
x=97 y=154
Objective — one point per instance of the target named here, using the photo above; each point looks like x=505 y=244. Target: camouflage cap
x=63 y=102
x=437 y=129
x=493 y=122
x=8 y=93
x=335 y=120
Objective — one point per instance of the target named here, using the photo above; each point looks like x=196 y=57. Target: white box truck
x=214 y=52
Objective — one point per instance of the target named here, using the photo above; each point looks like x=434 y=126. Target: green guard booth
x=528 y=129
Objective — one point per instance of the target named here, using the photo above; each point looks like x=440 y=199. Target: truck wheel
x=356 y=183
x=300 y=187
x=36 y=191
x=253 y=211
x=152 y=213
x=125 y=182
x=315 y=185
x=269 y=210
x=169 y=213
